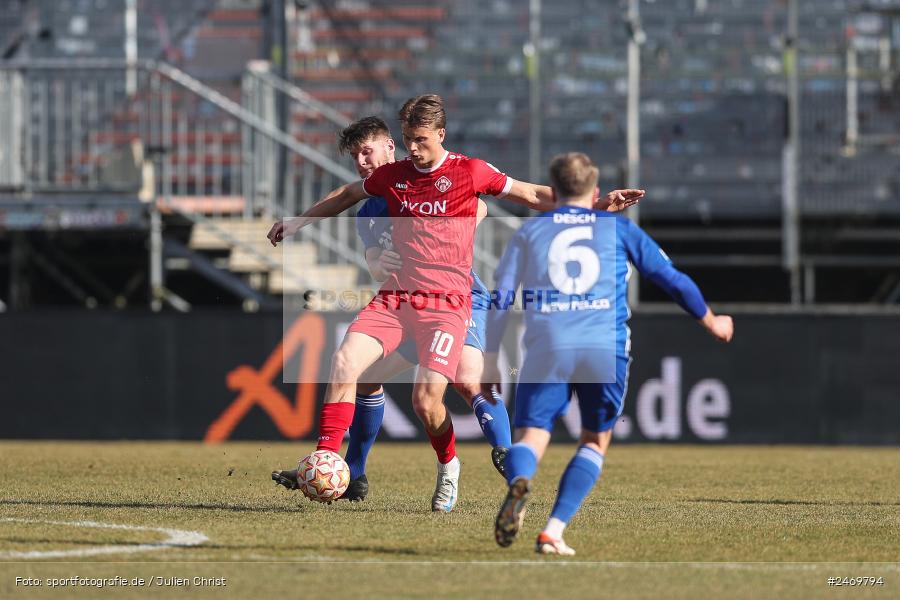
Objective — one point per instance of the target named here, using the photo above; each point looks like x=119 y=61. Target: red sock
x=334 y=421
x=444 y=445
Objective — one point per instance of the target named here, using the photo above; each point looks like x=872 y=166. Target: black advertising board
x=219 y=376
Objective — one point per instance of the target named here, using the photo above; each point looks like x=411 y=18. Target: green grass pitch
x=664 y=521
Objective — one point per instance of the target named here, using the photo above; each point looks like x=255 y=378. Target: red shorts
x=436 y=325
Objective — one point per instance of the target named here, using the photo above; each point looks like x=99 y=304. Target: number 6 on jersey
x=562 y=252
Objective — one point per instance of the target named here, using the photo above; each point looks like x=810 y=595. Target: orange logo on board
x=257 y=387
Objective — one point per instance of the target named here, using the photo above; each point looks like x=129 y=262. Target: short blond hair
x=573 y=174
x=424 y=111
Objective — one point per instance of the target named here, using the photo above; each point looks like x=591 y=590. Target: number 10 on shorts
x=441 y=343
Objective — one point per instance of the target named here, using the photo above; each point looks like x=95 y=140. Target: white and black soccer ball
x=323 y=476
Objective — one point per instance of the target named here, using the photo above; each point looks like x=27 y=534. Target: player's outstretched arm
x=538 y=197
x=687 y=295
x=720 y=327
x=541 y=198
x=651 y=262
x=333 y=204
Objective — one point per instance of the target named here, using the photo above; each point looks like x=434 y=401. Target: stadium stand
x=713 y=117
x=97 y=157
x=713 y=121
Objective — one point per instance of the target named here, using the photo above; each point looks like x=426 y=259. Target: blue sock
x=520 y=462
x=576 y=483
x=363 y=431
x=494 y=420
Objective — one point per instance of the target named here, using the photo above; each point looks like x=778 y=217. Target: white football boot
x=445 y=490
x=547 y=545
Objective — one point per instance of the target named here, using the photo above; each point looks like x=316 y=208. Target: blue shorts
x=543 y=399
x=477 y=332
x=408 y=351
x=475 y=336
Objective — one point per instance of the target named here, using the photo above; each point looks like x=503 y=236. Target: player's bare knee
x=428 y=407
x=425 y=413
x=595 y=440
x=423 y=405
x=535 y=438
x=469 y=372
x=344 y=367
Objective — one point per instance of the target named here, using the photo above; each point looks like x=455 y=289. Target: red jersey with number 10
x=433 y=213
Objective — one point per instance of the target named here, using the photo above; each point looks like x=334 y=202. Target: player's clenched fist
x=382 y=263
x=281 y=230
x=720 y=327
x=389 y=261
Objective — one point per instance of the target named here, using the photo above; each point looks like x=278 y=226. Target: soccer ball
x=323 y=476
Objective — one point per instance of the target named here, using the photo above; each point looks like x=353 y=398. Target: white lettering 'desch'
x=574 y=219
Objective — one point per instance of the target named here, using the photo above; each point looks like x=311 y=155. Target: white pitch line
x=552 y=562
x=178 y=538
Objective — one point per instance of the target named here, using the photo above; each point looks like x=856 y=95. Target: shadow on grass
x=163 y=505
x=777 y=501
x=313 y=547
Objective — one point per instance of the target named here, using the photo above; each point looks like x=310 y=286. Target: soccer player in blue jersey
x=573 y=264
x=369 y=142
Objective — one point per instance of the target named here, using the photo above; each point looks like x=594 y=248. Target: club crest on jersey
x=443 y=184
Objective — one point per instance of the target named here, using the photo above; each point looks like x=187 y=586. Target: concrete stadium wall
x=218 y=376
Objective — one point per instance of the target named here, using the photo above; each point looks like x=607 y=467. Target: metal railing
x=335 y=236
x=71 y=127
x=212 y=156
x=12 y=103
x=78 y=112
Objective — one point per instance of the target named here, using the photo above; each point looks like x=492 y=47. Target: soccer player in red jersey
x=369 y=142
x=432 y=198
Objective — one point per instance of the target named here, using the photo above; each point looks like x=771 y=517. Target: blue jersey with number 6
x=574 y=264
